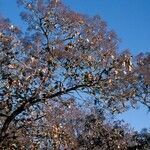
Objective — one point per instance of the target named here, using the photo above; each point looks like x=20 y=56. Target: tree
x=140 y=141
x=98 y=134
x=63 y=55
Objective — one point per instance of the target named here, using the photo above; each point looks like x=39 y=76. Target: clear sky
x=129 y=18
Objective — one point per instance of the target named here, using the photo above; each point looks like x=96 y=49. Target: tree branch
x=3 y=115
x=31 y=102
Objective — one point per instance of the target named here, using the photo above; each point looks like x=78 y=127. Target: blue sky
x=129 y=18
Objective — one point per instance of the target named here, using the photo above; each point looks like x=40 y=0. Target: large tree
x=63 y=57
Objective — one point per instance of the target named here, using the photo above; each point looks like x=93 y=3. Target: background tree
x=63 y=55
x=140 y=141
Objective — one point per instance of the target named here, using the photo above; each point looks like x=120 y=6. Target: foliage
x=65 y=58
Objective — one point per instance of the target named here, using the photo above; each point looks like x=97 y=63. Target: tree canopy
x=60 y=77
